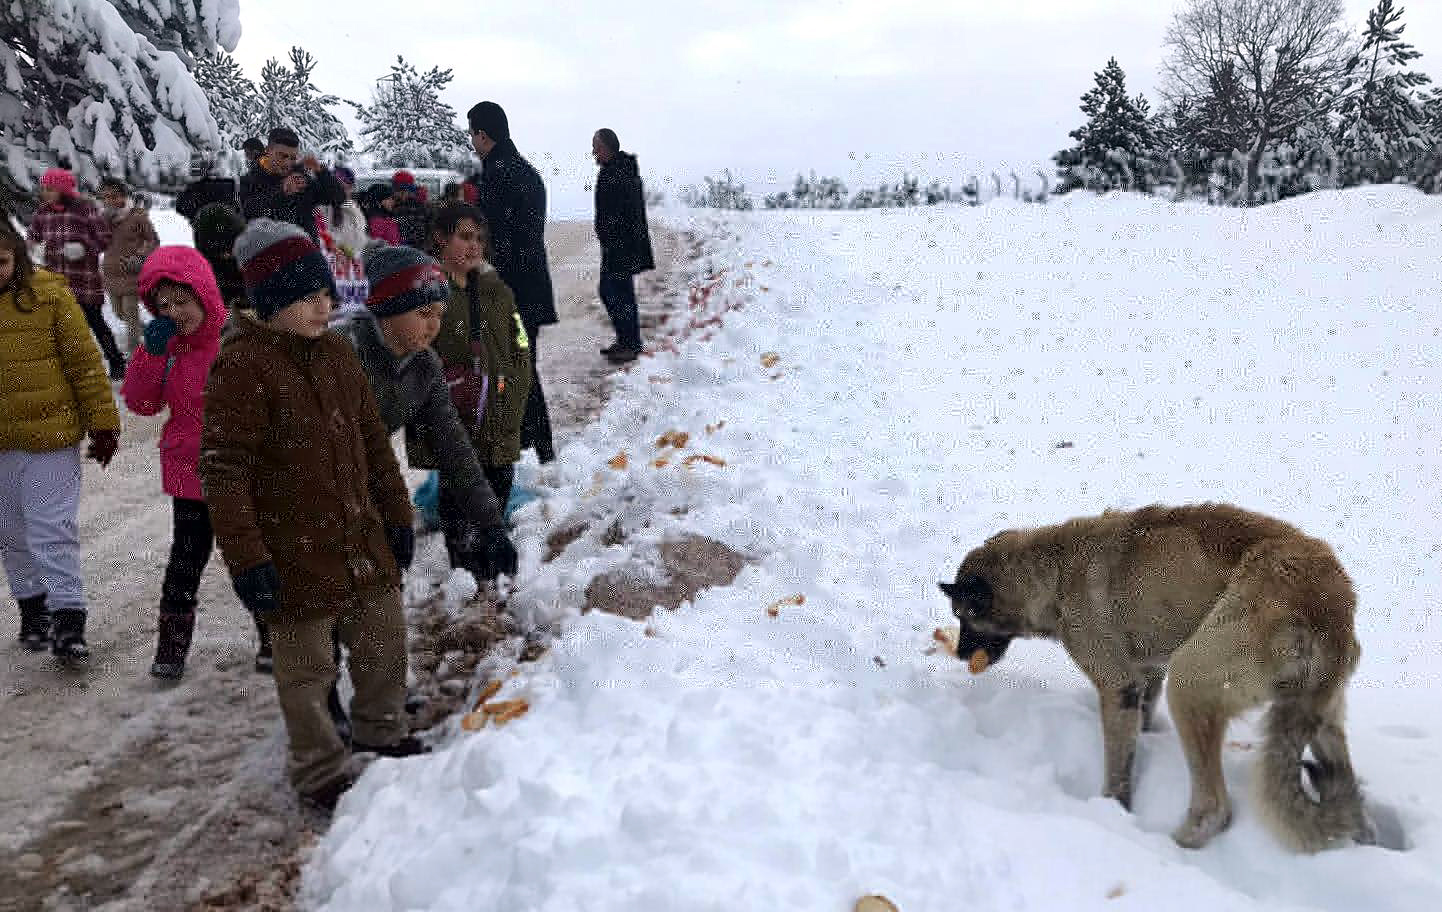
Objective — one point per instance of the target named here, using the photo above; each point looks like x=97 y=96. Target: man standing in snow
x=513 y=199
x=625 y=241
x=287 y=188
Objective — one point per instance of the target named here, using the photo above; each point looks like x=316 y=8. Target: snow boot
x=173 y=643
x=34 y=623
x=264 y=658
x=67 y=634
x=409 y=746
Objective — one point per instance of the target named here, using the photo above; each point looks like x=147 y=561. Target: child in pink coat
x=169 y=371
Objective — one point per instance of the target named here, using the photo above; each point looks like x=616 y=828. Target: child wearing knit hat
x=309 y=508
x=408 y=297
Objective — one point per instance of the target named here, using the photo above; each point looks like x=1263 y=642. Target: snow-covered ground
x=898 y=386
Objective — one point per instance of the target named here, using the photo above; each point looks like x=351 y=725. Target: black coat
x=261 y=197
x=202 y=193
x=513 y=199
x=621 y=218
x=414 y=219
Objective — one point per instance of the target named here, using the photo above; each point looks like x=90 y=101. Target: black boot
x=34 y=623
x=264 y=658
x=67 y=634
x=173 y=643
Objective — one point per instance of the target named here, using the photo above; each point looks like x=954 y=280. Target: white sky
x=863 y=90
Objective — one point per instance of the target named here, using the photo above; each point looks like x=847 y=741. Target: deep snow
x=941 y=374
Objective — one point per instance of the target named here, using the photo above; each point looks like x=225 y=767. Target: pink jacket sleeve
x=144 y=386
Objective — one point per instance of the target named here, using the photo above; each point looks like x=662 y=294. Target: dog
x=1233 y=608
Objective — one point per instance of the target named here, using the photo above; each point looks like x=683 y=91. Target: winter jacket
x=53 y=387
x=513 y=199
x=202 y=193
x=507 y=363
x=298 y=468
x=384 y=228
x=411 y=392
x=132 y=239
x=413 y=218
x=215 y=228
x=262 y=196
x=621 y=218
x=74 y=221
x=176 y=379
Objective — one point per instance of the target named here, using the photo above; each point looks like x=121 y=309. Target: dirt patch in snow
x=689 y=565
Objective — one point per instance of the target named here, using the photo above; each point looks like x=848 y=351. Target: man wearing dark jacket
x=513 y=199
x=284 y=187
x=391 y=337
x=206 y=188
x=625 y=241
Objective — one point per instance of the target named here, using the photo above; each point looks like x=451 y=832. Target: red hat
x=403 y=179
x=470 y=193
x=58 y=179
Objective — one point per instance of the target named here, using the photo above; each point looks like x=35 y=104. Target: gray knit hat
x=403 y=279
x=280 y=264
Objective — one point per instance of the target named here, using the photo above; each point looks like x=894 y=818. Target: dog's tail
x=1306 y=710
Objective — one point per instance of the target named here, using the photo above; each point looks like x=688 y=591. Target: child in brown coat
x=309 y=508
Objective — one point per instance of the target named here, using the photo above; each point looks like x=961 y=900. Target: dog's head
x=982 y=627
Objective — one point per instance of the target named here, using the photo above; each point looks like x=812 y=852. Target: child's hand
x=102 y=446
x=158 y=333
x=403 y=545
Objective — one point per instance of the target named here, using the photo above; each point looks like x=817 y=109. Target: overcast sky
x=863 y=90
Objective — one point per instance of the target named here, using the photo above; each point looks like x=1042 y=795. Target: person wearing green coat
x=486 y=355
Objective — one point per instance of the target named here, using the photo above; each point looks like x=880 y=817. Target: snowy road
x=117 y=792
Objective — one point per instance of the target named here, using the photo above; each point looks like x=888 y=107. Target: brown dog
x=1239 y=608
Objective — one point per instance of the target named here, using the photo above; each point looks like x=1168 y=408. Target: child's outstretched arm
x=387 y=485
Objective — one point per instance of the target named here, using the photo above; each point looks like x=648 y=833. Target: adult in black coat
x=208 y=189
x=513 y=199
x=625 y=241
x=284 y=187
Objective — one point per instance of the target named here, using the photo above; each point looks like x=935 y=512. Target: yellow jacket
x=53 y=387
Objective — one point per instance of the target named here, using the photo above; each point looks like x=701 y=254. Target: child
x=376 y=203
x=309 y=508
x=215 y=228
x=170 y=371
x=481 y=343
x=53 y=391
x=391 y=337
x=73 y=235
x=132 y=239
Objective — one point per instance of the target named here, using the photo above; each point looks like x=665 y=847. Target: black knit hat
x=403 y=279
x=281 y=265
x=490 y=117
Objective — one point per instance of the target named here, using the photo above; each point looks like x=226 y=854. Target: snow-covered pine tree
x=407 y=124
x=1115 y=147
x=233 y=99
x=286 y=97
x=104 y=87
x=1382 y=128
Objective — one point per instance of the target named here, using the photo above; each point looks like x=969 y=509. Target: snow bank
x=894 y=387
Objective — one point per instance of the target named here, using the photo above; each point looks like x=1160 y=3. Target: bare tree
x=1292 y=60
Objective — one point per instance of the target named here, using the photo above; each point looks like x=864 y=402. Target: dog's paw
x=1200 y=827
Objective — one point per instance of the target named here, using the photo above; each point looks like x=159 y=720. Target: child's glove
x=102 y=446
x=73 y=251
x=489 y=553
x=403 y=545
x=158 y=333
x=258 y=589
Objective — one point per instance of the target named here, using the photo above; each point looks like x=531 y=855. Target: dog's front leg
x=1121 y=719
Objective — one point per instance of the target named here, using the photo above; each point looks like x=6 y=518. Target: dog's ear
x=977 y=593
x=950 y=590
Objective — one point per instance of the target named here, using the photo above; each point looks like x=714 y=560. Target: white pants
x=39 y=534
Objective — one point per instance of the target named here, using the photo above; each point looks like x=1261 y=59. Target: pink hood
x=176 y=379
x=185 y=266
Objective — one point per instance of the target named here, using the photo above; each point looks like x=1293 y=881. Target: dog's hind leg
x=1213 y=676
x=1121 y=716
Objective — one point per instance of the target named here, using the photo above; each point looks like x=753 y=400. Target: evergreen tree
x=1115 y=147
x=233 y=99
x=104 y=87
x=1382 y=127
x=407 y=124
x=286 y=97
